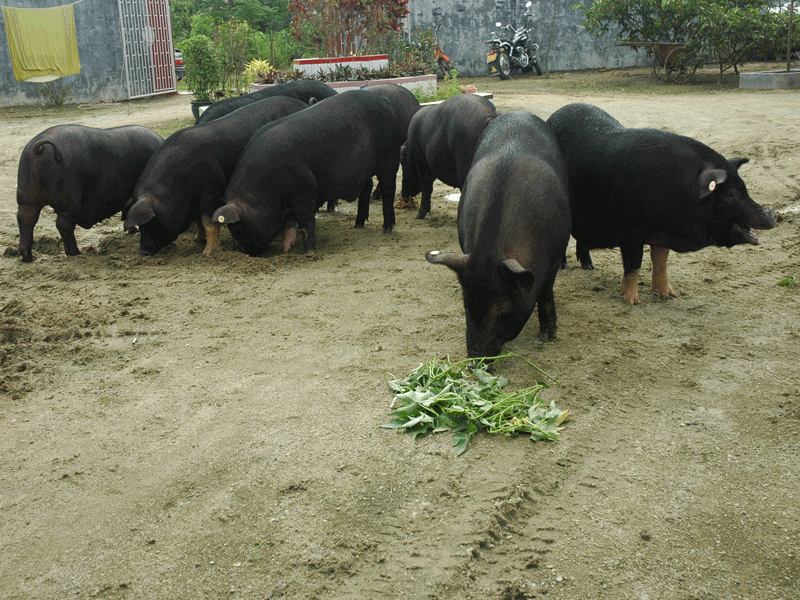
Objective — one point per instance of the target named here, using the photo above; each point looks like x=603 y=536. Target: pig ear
x=457 y=262
x=523 y=278
x=227 y=214
x=709 y=179
x=737 y=162
x=140 y=213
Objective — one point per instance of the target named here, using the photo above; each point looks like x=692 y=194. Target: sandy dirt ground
x=187 y=427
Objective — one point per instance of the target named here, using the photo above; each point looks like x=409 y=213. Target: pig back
x=85 y=173
x=517 y=188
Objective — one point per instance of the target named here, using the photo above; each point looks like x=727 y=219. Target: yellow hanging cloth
x=42 y=42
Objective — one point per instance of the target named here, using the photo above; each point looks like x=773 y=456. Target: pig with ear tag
x=631 y=187
x=185 y=179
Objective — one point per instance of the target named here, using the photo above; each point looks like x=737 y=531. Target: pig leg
x=363 y=204
x=632 y=263
x=211 y=235
x=658 y=255
x=546 y=305
x=582 y=254
x=305 y=212
x=67 y=230
x=425 y=199
x=27 y=217
x=405 y=200
x=200 y=234
x=387 y=184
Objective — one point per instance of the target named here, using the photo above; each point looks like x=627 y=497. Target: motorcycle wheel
x=504 y=66
x=537 y=67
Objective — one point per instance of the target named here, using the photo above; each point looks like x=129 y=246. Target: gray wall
x=467 y=24
x=102 y=76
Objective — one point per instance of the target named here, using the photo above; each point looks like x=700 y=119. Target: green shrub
x=55 y=94
x=202 y=66
x=450 y=87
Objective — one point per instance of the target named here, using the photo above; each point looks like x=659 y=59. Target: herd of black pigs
x=264 y=163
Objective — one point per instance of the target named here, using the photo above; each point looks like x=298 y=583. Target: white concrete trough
x=770 y=80
x=312 y=66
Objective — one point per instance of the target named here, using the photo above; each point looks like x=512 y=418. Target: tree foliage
x=202 y=66
x=267 y=23
x=345 y=27
x=725 y=32
x=265 y=16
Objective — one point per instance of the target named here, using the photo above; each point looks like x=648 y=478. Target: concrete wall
x=102 y=76
x=467 y=24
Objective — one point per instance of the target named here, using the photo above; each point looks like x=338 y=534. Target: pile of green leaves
x=465 y=398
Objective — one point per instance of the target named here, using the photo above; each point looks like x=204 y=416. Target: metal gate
x=147 y=47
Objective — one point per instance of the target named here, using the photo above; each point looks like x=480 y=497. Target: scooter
x=517 y=52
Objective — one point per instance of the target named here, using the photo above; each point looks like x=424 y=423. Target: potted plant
x=202 y=70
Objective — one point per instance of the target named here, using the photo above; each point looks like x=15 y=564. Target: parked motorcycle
x=517 y=52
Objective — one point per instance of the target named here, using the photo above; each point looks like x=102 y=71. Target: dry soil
x=187 y=427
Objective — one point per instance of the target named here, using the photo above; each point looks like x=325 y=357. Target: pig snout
x=757 y=217
x=766 y=218
x=481 y=344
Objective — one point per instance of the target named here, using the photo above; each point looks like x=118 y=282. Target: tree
x=342 y=27
x=234 y=49
x=730 y=30
x=641 y=20
x=202 y=66
x=181 y=12
x=268 y=22
x=723 y=30
x=267 y=16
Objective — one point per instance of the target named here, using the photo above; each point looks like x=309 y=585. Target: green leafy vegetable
x=788 y=282
x=465 y=398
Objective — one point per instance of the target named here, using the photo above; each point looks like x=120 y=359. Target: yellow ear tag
x=221 y=219
x=712 y=185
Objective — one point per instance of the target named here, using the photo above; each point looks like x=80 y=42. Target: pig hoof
x=388 y=228
x=632 y=299
x=358 y=225
x=664 y=292
x=421 y=215
x=27 y=258
x=311 y=252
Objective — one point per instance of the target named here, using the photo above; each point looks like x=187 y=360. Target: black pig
x=307 y=90
x=441 y=143
x=630 y=187
x=185 y=179
x=85 y=174
x=513 y=226
x=293 y=166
